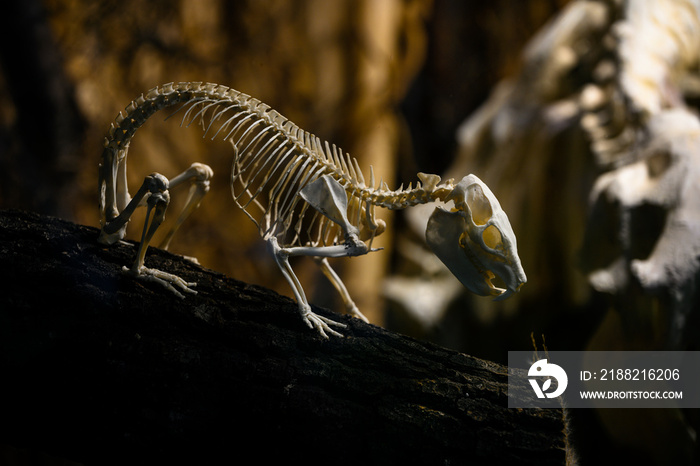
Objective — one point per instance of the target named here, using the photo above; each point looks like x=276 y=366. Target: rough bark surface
x=100 y=368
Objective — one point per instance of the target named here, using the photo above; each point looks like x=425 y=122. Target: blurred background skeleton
x=603 y=105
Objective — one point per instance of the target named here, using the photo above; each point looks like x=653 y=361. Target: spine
x=343 y=167
x=428 y=189
x=168 y=95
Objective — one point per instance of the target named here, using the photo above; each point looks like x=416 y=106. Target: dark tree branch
x=100 y=368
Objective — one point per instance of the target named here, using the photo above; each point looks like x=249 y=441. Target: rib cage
x=273 y=160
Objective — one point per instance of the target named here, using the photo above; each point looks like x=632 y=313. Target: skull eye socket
x=479 y=205
x=492 y=237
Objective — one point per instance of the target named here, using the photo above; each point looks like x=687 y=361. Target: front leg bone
x=352 y=247
x=321 y=324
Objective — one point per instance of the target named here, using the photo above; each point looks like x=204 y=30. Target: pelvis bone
x=475 y=240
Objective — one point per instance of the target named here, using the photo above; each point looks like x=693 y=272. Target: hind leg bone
x=154 y=193
x=157 y=203
x=198 y=175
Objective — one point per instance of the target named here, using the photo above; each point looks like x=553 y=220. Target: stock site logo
x=542 y=368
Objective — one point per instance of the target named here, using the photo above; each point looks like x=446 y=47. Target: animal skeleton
x=651 y=65
x=306 y=197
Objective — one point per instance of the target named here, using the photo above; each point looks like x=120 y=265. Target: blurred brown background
x=388 y=81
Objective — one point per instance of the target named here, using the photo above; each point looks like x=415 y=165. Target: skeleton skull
x=475 y=240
